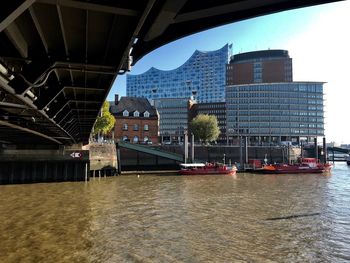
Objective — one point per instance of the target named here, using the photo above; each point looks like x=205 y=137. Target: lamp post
x=186 y=145
x=192 y=147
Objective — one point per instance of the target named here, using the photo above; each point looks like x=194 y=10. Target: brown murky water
x=246 y=218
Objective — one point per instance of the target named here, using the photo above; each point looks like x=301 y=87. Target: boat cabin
x=191 y=165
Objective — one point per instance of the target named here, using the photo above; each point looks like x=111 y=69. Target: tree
x=205 y=128
x=105 y=123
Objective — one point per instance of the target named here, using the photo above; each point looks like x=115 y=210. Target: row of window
x=135 y=139
x=278 y=125
x=135 y=127
x=277 y=131
x=274 y=113
x=296 y=87
x=136 y=114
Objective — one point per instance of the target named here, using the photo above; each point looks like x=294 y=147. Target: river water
x=150 y=218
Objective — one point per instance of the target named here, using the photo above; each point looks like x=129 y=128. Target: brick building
x=136 y=120
x=264 y=66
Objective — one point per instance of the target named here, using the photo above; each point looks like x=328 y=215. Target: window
x=136 y=139
x=146 y=114
x=145 y=127
x=136 y=114
x=125 y=127
x=125 y=113
x=136 y=127
x=146 y=139
x=125 y=138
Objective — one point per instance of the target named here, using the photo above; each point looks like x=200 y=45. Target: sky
x=318 y=41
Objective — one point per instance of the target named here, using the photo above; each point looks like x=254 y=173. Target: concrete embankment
x=103 y=158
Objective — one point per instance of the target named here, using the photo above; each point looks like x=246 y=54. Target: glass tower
x=202 y=76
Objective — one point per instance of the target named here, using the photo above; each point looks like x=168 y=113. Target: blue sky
x=317 y=39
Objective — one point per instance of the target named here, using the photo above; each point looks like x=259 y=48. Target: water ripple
x=247 y=218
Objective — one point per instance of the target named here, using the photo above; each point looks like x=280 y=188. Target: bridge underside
x=59 y=58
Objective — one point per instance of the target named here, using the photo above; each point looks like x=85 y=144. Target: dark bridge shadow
x=291 y=216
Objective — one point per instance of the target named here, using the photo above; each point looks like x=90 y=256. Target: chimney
x=116 y=99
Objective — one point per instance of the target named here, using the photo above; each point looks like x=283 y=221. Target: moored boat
x=207 y=168
x=348 y=160
x=306 y=165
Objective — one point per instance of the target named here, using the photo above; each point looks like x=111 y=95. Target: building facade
x=203 y=76
x=218 y=109
x=265 y=66
x=136 y=120
x=274 y=112
x=174 y=116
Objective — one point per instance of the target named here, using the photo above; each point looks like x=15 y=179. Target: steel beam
x=15 y=14
x=13 y=126
x=165 y=18
x=17 y=39
x=46 y=99
x=92 y=7
x=13 y=105
x=223 y=9
x=30 y=104
x=38 y=28
x=83 y=88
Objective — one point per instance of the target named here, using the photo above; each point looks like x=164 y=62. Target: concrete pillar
x=288 y=154
x=240 y=151
x=325 y=156
x=302 y=149
x=86 y=172
x=316 y=148
x=192 y=147
x=186 y=146
x=118 y=161
x=246 y=149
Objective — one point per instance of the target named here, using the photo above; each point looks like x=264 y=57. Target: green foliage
x=205 y=128
x=105 y=123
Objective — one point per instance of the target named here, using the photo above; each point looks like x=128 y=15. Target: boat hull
x=207 y=172
x=290 y=169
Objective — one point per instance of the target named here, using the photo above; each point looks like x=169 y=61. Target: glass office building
x=218 y=109
x=275 y=112
x=202 y=76
x=174 y=115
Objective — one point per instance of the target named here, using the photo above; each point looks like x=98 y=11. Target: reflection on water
x=246 y=218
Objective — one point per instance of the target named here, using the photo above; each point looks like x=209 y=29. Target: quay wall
x=103 y=156
x=134 y=160
x=34 y=166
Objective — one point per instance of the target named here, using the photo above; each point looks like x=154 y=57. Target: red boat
x=306 y=165
x=207 y=168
